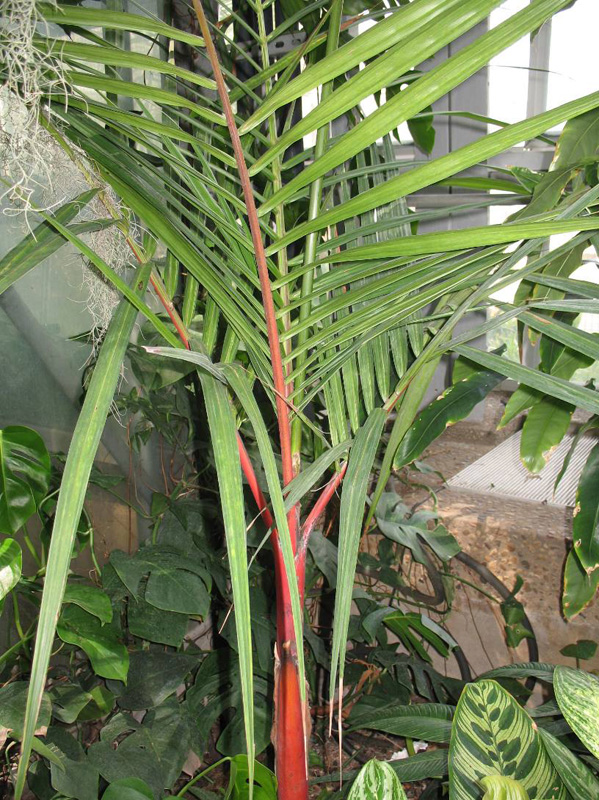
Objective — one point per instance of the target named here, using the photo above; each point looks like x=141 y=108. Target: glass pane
x=508 y=72
x=572 y=65
x=506 y=334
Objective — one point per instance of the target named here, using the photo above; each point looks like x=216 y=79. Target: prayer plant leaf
x=577 y=694
x=580 y=782
x=493 y=735
x=376 y=780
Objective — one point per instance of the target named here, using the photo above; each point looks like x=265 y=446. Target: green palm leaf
x=80 y=459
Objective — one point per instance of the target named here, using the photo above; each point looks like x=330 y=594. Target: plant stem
x=193 y=781
x=312 y=239
x=21 y=643
x=17 y=616
x=277 y=181
x=291 y=727
x=263 y=273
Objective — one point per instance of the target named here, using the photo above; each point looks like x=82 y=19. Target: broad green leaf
x=91 y=599
x=114 y=20
x=431 y=764
x=24 y=475
x=80 y=458
x=42 y=242
x=453 y=405
x=109 y=657
x=499 y=788
x=493 y=735
x=376 y=780
x=578 y=141
x=13 y=699
x=548 y=384
x=429 y=721
x=153 y=676
x=153 y=752
x=11 y=563
x=411 y=529
x=68 y=700
x=580 y=782
x=580 y=587
x=128 y=789
x=582 y=650
x=172 y=581
x=353 y=499
x=73 y=776
x=155 y=624
x=585 y=528
x=534 y=669
x=264 y=781
x=545 y=426
x=577 y=694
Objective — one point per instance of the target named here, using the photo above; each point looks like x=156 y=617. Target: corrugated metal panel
x=500 y=471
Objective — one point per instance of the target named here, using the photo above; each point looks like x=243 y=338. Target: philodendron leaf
x=265 y=782
x=453 y=405
x=545 y=426
x=579 y=587
x=175 y=582
x=577 y=694
x=499 y=788
x=582 y=650
x=585 y=528
x=72 y=775
x=109 y=657
x=24 y=475
x=13 y=698
x=376 y=780
x=90 y=599
x=128 y=789
x=10 y=567
x=493 y=735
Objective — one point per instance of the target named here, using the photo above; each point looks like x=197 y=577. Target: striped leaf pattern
x=499 y=788
x=577 y=694
x=376 y=780
x=577 y=777
x=494 y=736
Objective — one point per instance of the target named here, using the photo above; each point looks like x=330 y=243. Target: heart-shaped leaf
x=24 y=475
x=10 y=567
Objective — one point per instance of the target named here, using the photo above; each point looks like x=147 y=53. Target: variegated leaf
x=493 y=736
x=377 y=781
x=577 y=694
x=500 y=788
x=577 y=777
